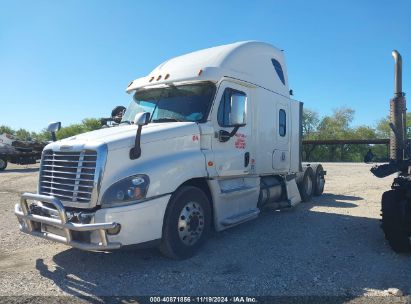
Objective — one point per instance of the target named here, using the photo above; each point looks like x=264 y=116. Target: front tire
x=3 y=164
x=186 y=224
x=395 y=220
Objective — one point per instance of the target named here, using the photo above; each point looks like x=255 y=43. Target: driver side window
x=225 y=107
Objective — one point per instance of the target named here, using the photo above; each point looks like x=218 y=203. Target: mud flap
x=293 y=195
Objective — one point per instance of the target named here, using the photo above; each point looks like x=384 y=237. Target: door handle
x=246 y=159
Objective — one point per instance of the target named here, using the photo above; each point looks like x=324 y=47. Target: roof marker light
x=200 y=72
x=159 y=77
x=151 y=79
x=167 y=76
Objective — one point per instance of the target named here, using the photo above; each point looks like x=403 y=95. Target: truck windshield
x=188 y=102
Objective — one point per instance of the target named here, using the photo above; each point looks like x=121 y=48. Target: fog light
x=115 y=230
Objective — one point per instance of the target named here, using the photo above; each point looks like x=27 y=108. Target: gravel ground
x=330 y=246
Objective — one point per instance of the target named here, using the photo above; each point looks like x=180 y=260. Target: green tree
x=310 y=121
x=356 y=153
x=91 y=124
x=383 y=127
x=88 y=124
x=6 y=129
x=70 y=130
x=336 y=126
x=22 y=134
x=43 y=135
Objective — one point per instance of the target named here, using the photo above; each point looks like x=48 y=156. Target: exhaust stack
x=397 y=113
x=397 y=73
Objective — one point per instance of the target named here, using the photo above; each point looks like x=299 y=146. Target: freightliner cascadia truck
x=209 y=140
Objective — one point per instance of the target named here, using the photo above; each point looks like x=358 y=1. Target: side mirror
x=238 y=110
x=237 y=116
x=53 y=127
x=141 y=119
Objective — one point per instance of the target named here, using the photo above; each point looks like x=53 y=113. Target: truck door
x=281 y=153
x=233 y=155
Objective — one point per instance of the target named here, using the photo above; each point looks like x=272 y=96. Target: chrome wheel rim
x=191 y=223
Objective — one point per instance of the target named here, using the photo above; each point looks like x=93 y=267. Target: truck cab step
x=242 y=217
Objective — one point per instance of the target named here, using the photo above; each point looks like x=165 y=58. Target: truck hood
x=124 y=135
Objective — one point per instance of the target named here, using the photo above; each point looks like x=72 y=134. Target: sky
x=68 y=60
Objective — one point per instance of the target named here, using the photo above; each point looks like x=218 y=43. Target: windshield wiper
x=167 y=119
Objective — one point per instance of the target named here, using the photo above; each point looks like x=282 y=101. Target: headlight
x=126 y=191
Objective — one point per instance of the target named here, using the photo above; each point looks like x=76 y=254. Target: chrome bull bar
x=23 y=213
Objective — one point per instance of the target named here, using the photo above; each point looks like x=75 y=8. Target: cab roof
x=255 y=62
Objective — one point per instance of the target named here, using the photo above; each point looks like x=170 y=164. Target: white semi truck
x=209 y=140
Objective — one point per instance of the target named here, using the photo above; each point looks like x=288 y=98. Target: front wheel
x=3 y=164
x=186 y=224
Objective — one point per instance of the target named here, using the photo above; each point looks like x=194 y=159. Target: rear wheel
x=3 y=164
x=305 y=183
x=187 y=223
x=395 y=220
x=319 y=180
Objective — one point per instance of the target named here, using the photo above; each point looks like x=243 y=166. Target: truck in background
x=19 y=152
x=396 y=203
x=209 y=140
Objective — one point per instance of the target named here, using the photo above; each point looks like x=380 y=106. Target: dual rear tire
x=311 y=182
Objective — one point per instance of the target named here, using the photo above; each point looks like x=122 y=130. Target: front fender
x=168 y=163
x=167 y=173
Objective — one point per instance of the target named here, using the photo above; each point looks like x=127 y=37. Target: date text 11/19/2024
x=203 y=299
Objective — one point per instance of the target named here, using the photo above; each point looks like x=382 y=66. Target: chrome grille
x=68 y=176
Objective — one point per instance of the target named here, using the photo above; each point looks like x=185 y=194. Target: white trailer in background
x=209 y=140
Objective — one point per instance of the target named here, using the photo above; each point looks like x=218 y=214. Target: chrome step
x=239 y=218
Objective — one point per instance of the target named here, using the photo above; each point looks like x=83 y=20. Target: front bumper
x=28 y=225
